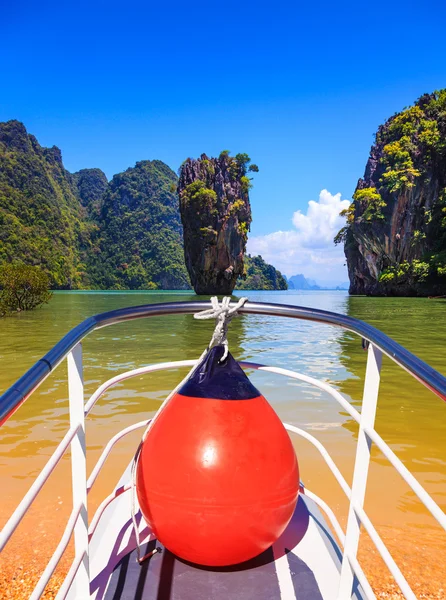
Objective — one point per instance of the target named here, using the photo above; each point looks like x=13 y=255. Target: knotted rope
x=223 y=314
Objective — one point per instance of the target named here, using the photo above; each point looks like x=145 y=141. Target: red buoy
x=217 y=478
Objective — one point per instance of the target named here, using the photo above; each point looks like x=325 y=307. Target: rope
x=224 y=315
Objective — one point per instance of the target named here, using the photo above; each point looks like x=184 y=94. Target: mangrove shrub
x=22 y=287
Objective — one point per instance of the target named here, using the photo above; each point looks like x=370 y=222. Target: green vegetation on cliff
x=41 y=221
x=139 y=242
x=261 y=276
x=91 y=185
x=82 y=231
x=395 y=235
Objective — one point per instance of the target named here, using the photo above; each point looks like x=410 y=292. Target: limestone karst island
x=395 y=236
x=223 y=301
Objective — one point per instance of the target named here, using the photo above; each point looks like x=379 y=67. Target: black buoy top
x=224 y=380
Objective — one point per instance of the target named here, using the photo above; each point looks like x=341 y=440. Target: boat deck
x=304 y=563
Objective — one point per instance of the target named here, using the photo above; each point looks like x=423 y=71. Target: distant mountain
x=332 y=284
x=299 y=282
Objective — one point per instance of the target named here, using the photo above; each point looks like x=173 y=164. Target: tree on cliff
x=395 y=235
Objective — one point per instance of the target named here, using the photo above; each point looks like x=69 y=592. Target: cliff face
x=216 y=216
x=395 y=237
x=41 y=221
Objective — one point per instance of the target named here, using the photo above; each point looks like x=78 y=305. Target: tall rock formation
x=395 y=236
x=216 y=217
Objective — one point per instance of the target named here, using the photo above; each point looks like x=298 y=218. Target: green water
x=411 y=419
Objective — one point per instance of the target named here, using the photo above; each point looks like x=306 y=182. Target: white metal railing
x=79 y=469
x=58 y=553
x=78 y=574
x=35 y=488
x=361 y=469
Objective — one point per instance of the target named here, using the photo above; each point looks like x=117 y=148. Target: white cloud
x=308 y=248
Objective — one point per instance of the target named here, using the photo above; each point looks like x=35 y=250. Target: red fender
x=217 y=478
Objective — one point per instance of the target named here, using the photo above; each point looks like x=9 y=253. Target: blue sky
x=301 y=87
